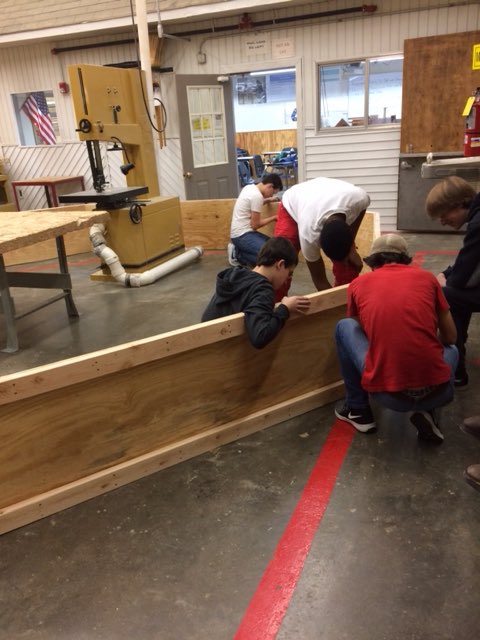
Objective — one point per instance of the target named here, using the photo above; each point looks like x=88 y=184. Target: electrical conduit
x=110 y=258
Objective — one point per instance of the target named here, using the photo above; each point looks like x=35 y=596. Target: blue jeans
x=352 y=346
x=248 y=245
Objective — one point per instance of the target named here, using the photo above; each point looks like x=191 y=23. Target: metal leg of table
x=62 y=261
x=8 y=311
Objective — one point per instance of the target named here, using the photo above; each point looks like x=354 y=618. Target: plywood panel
x=259 y=141
x=80 y=427
x=75 y=241
x=437 y=80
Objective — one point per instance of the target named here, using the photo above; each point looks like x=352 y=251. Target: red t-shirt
x=397 y=306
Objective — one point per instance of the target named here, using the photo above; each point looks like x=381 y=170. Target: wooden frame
x=78 y=428
x=84 y=426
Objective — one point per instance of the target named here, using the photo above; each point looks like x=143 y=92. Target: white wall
x=368 y=158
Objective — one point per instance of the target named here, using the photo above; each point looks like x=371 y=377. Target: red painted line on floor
x=269 y=604
x=420 y=256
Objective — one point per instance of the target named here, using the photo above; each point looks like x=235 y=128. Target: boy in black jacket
x=455 y=202
x=253 y=292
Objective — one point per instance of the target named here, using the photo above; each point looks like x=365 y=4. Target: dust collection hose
x=110 y=258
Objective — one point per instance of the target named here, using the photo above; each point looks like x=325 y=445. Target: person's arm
x=446 y=327
x=468 y=258
x=319 y=276
x=263 y=320
x=357 y=222
x=256 y=220
x=355 y=259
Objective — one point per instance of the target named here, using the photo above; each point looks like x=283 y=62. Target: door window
x=207 y=125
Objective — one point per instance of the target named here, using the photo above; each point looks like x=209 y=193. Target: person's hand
x=442 y=281
x=296 y=305
x=272 y=199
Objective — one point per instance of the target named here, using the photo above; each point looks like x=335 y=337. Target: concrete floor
x=180 y=554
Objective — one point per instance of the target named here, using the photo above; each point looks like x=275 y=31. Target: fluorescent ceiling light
x=271 y=72
x=386 y=58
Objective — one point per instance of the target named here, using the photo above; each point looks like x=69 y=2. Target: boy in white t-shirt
x=302 y=217
x=247 y=219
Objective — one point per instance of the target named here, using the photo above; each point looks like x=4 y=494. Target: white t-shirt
x=310 y=203
x=250 y=199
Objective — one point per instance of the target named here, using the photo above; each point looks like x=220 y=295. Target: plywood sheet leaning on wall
x=81 y=427
x=437 y=80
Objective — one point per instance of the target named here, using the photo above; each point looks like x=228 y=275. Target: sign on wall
x=283 y=48
x=476 y=56
x=258 y=44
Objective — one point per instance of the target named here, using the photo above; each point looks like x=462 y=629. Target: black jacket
x=240 y=289
x=465 y=271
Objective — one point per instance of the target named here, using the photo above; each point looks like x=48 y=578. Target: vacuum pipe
x=110 y=258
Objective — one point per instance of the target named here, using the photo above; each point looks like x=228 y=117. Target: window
x=207 y=125
x=265 y=100
x=361 y=93
x=36 y=116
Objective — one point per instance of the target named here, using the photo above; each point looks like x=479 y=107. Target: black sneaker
x=361 y=419
x=461 y=380
x=426 y=424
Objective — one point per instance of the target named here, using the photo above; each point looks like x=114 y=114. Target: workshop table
x=24 y=228
x=50 y=184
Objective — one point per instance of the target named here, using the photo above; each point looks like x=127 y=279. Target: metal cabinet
x=413 y=190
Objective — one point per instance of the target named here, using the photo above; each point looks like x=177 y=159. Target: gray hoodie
x=240 y=289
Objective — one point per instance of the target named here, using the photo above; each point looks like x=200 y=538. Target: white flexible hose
x=110 y=258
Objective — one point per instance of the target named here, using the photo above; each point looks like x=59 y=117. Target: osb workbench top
x=23 y=228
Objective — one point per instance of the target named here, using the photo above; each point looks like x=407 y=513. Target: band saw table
x=25 y=228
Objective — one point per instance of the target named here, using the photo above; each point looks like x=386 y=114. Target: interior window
x=361 y=93
x=36 y=116
x=265 y=100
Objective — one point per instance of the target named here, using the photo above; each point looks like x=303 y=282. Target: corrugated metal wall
x=368 y=158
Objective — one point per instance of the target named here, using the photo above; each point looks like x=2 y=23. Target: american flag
x=35 y=107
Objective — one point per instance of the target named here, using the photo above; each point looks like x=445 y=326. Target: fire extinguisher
x=471 y=146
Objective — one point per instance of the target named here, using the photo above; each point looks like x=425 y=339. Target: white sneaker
x=231 y=253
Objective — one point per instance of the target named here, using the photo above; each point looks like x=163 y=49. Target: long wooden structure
x=84 y=426
x=81 y=427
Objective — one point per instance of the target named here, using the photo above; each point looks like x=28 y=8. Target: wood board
x=206 y=223
x=437 y=80
x=77 y=238
x=78 y=428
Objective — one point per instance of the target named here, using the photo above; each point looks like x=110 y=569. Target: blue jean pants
x=352 y=346
x=248 y=245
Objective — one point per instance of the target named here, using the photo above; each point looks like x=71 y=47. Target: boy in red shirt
x=397 y=343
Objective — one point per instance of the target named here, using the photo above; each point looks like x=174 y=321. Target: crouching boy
x=253 y=292
x=397 y=343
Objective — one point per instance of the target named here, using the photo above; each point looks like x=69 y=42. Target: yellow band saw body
x=145 y=228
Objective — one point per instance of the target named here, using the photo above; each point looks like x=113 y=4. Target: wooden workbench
x=25 y=228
